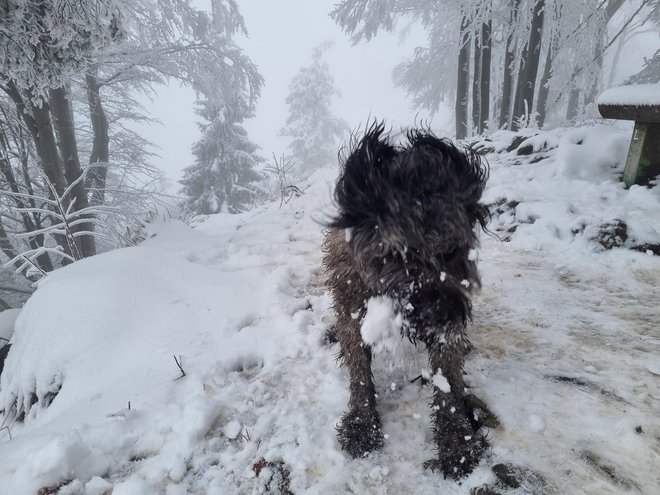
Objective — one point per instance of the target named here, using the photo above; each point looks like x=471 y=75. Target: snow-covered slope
x=566 y=349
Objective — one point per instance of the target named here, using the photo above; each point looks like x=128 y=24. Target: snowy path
x=570 y=363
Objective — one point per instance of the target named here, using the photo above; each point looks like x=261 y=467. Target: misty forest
x=167 y=175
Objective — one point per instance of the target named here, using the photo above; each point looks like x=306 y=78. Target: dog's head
x=411 y=212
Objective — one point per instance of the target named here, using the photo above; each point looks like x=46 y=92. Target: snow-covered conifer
x=314 y=129
x=223 y=177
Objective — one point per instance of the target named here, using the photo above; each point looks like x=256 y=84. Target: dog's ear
x=362 y=191
x=461 y=163
x=462 y=170
x=477 y=172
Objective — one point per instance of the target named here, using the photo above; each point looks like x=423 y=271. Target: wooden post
x=643 y=162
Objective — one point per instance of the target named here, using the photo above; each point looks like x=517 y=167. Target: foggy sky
x=282 y=34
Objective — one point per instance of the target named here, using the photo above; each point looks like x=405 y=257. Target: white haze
x=282 y=35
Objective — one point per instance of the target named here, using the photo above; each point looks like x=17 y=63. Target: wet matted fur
x=405 y=228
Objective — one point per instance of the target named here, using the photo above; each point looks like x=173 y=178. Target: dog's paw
x=360 y=432
x=457 y=457
x=479 y=413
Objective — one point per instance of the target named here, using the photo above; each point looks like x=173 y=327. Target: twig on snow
x=178 y=363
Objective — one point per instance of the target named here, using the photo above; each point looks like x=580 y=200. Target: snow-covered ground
x=567 y=349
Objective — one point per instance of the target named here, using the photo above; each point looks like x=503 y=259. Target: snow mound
x=595 y=154
x=564 y=189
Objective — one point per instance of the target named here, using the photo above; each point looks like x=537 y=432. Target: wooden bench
x=640 y=103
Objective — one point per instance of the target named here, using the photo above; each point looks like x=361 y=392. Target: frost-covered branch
x=65 y=223
x=282 y=169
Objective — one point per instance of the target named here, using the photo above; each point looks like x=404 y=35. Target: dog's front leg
x=360 y=429
x=460 y=445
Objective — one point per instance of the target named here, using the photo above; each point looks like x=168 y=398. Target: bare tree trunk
x=516 y=111
x=5 y=244
x=476 y=84
x=41 y=120
x=462 y=85
x=36 y=117
x=573 y=102
x=63 y=120
x=507 y=82
x=29 y=223
x=100 y=148
x=542 y=102
x=21 y=108
x=46 y=146
x=592 y=94
x=486 y=30
x=527 y=75
x=505 y=108
x=615 y=61
x=37 y=120
x=7 y=248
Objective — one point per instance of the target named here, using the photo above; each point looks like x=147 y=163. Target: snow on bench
x=640 y=103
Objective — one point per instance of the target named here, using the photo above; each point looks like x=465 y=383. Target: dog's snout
x=426 y=314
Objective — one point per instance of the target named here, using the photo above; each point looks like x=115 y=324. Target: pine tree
x=311 y=123
x=223 y=177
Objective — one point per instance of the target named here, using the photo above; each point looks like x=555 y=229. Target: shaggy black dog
x=406 y=229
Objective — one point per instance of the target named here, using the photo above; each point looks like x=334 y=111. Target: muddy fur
x=406 y=224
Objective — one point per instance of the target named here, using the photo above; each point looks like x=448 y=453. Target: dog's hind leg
x=460 y=445
x=360 y=429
